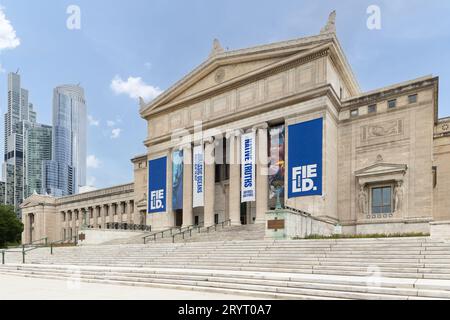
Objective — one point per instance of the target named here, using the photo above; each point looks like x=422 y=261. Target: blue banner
x=305 y=159
x=157 y=185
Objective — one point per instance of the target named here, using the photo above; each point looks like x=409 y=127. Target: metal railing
x=64 y=241
x=199 y=229
x=124 y=226
x=23 y=249
x=162 y=233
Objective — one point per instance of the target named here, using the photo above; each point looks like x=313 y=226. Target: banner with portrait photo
x=277 y=139
x=177 y=180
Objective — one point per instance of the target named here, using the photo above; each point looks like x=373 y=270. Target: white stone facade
x=388 y=138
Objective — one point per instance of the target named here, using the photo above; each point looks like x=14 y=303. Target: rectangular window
x=354 y=113
x=372 y=108
x=392 y=103
x=412 y=98
x=382 y=200
x=435 y=176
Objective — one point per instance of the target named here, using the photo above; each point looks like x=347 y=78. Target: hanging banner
x=277 y=161
x=198 y=177
x=157 y=185
x=177 y=180
x=305 y=159
x=248 y=165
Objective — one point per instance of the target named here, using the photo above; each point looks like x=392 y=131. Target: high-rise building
x=38 y=148
x=66 y=172
x=19 y=112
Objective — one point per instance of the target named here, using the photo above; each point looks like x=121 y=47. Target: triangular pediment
x=230 y=67
x=382 y=169
x=225 y=73
x=36 y=199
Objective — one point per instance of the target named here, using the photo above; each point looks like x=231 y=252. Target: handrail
x=199 y=228
x=62 y=241
x=23 y=249
x=154 y=235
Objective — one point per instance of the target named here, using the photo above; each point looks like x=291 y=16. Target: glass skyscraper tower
x=38 y=148
x=19 y=114
x=66 y=172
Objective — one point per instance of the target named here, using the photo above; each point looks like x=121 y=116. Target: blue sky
x=159 y=41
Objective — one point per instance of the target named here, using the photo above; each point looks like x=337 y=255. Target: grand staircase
x=400 y=268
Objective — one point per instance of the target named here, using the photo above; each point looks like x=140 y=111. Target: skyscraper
x=66 y=172
x=20 y=112
x=38 y=148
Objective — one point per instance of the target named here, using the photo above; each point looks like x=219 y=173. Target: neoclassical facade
x=380 y=164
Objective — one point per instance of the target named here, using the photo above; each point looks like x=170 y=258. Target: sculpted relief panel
x=382 y=131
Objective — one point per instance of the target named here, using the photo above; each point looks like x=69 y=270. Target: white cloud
x=93 y=162
x=91 y=181
x=89 y=188
x=110 y=123
x=8 y=38
x=93 y=122
x=115 y=133
x=134 y=88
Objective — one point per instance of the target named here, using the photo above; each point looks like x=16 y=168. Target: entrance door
x=179 y=218
x=243 y=213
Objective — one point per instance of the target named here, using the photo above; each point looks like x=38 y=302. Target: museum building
x=282 y=127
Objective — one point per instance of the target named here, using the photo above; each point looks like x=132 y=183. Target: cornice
x=390 y=92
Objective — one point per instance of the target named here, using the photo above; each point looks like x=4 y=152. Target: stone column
x=128 y=208
x=187 y=186
x=61 y=225
x=102 y=212
x=235 y=178
x=121 y=211
x=262 y=171
x=67 y=225
x=26 y=228
x=74 y=224
x=94 y=213
x=210 y=182
x=111 y=213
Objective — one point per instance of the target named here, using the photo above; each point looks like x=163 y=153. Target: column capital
x=185 y=146
x=209 y=140
x=262 y=125
x=234 y=133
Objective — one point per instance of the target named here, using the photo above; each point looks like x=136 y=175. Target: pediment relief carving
x=223 y=74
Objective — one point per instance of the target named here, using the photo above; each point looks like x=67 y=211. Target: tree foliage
x=11 y=227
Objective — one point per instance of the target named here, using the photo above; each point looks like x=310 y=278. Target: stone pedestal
x=287 y=224
x=440 y=230
x=276 y=219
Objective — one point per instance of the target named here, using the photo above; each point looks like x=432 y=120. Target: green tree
x=11 y=228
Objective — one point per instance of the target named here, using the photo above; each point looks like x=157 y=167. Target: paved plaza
x=43 y=289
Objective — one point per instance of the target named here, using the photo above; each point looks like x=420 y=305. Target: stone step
x=330 y=290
